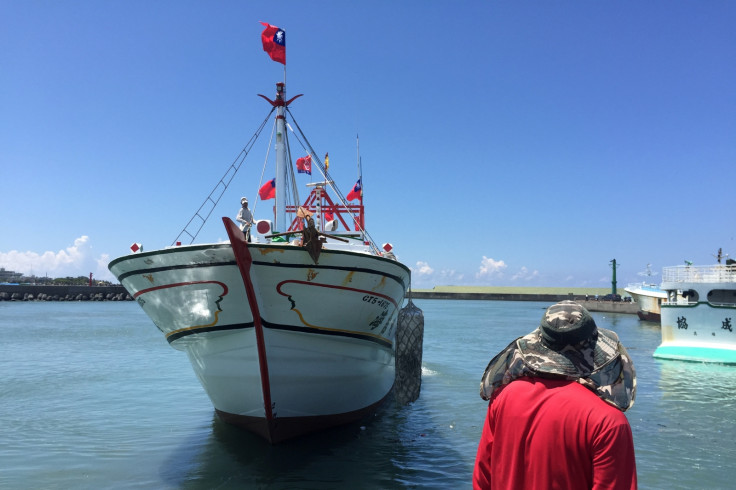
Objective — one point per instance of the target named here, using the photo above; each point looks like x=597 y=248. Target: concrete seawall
x=590 y=305
x=32 y=292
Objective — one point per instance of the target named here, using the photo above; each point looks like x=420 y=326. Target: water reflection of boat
x=704 y=383
x=698 y=313
x=387 y=451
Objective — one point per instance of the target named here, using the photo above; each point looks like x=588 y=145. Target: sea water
x=92 y=396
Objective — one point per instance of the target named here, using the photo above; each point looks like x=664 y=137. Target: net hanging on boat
x=409 y=340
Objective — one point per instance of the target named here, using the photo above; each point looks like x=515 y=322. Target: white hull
x=698 y=315
x=649 y=299
x=328 y=329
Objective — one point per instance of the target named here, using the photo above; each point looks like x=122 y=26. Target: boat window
x=722 y=297
x=690 y=295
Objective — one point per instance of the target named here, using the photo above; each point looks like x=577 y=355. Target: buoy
x=409 y=339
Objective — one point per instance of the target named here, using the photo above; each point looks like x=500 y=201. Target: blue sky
x=503 y=143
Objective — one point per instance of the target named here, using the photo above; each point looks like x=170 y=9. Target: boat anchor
x=312 y=238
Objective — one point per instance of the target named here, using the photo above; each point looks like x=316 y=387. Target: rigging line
x=290 y=167
x=330 y=182
x=316 y=159
x=223 y=184
x=265 y=161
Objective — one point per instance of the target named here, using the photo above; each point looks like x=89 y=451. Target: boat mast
x=280 y=222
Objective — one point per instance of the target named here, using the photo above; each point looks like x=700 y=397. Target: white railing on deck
x=699 y=273
x=679 y=302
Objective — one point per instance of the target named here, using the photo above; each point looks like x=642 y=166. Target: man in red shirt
x=555 y=417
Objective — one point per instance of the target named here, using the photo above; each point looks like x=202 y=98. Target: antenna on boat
x=648 y=272
x=720 y=255
x=362 y=184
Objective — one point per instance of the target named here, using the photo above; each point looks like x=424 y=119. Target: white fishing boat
x=698 y=313
x=648 y=296
x=294 y=331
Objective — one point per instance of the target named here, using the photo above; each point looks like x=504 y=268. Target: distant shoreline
x=31 y=292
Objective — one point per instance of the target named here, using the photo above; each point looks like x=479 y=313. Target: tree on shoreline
x=63 y=281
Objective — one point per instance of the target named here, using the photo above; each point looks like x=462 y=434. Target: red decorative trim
x=307 y=283
x=178 y=284
x=280 y=102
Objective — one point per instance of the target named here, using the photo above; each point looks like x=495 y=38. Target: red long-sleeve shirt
x=545 y=433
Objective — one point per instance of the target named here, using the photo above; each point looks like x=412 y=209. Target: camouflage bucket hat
x=567 y=345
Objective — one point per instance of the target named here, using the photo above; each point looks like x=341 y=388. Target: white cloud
x=425 y=276
x=525 y=275
x=490 y=268
x=76 y=260
x=422 y=269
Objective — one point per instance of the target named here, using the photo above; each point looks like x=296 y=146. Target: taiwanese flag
x=268 y=191
x=356 y=193
x=274 y=42
x=304 y=165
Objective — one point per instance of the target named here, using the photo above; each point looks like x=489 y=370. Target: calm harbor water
x=92 y=396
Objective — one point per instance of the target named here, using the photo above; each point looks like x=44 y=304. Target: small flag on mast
x=268 y=190
x=356 y=192
x=304 y=165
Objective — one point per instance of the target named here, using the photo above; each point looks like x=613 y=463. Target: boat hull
x=697 y=332
x=697 y=318
x=649 y=316
x=319 y=350
x=649 y=300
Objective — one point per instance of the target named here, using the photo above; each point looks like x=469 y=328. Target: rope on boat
x=205 y=209
x=409 y=340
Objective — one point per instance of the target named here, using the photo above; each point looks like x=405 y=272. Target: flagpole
x=360 y=179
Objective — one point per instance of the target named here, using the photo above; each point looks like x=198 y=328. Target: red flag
x=268 y=191
x=274 y=42
x=304 y=165
x=356 y=193
x=329 y=216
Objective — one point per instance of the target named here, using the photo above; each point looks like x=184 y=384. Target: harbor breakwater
x=584 y=296
x=32 y=292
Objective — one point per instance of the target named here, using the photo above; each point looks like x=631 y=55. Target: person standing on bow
x=245 y=218
x=555 y=413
